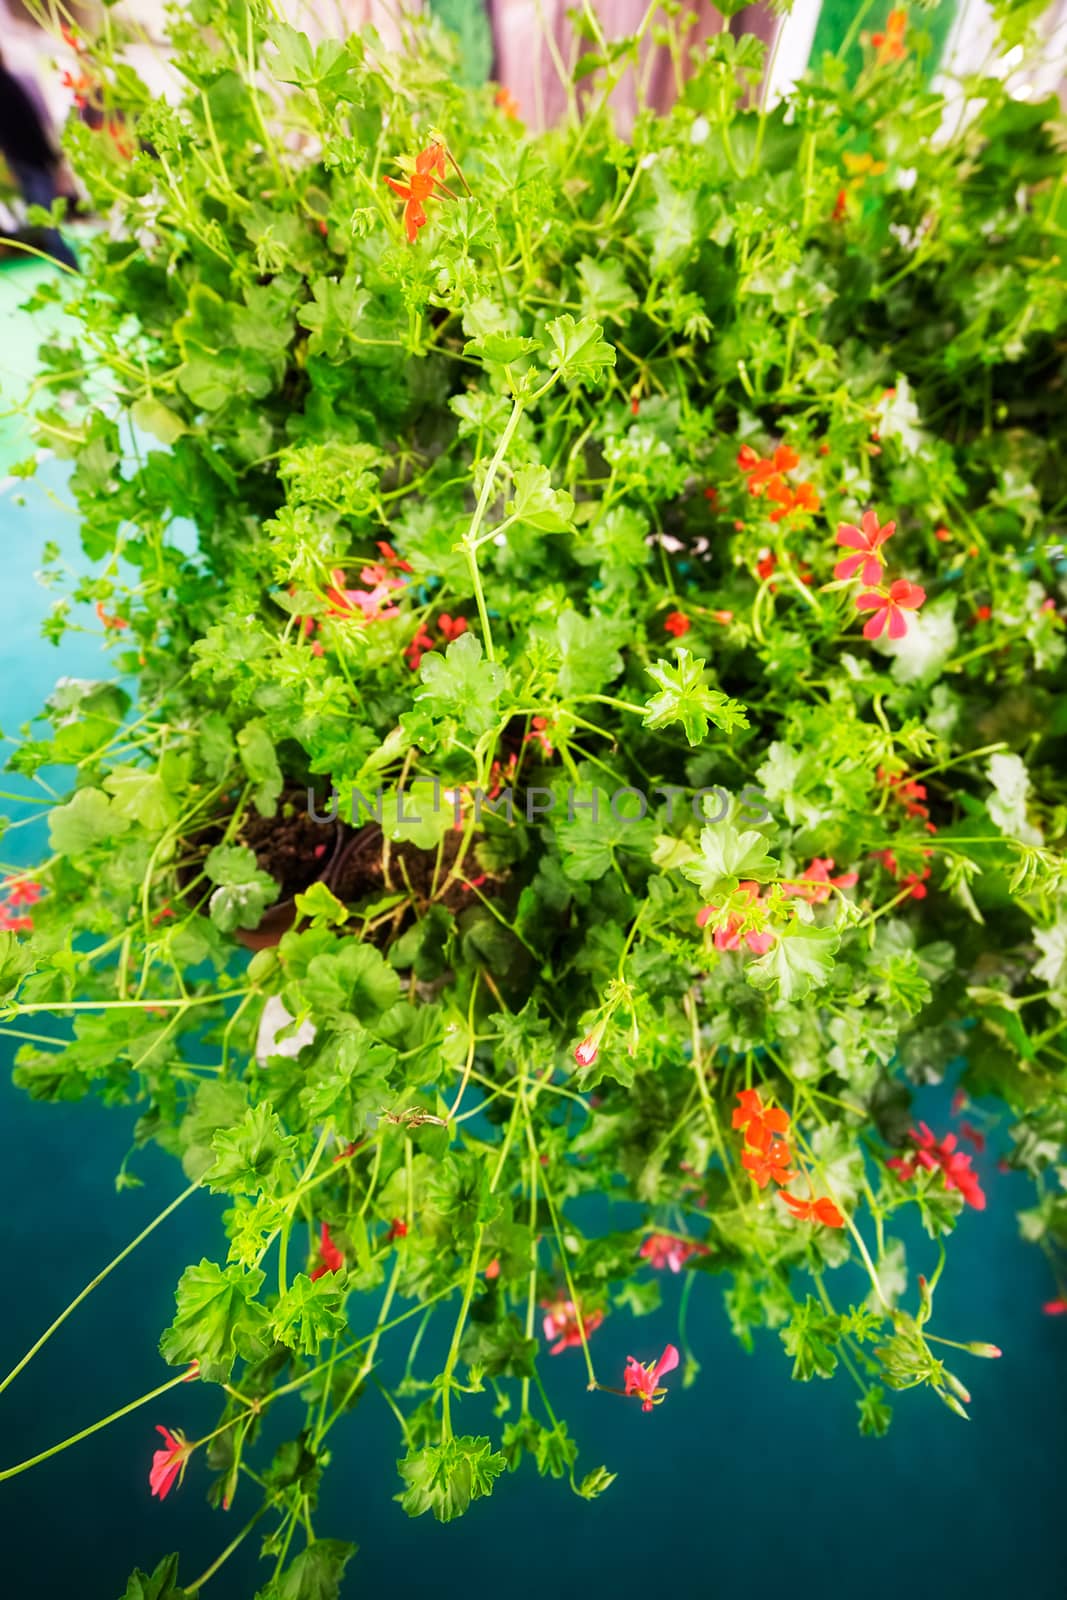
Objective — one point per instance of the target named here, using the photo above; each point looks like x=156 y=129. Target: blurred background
x=769 y=1474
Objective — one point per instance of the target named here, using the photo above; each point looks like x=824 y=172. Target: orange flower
x=507 y=103
x=890 y=44
x=429 y=173
x=760 y=472
x=768 y=1160
x=823 y=1211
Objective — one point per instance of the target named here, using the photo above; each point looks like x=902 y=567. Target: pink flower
x=866 y=541
x=586 y=1052
x=664 y=1250
x=645 y=1380
x=816 y=884
x=493 y=1269
x=888 y=607
x=168 y=1466
x=11 y=924
x=333 y=1259
x=370 y=604
x=728 y=937
x=560 y=1323
x=1055 y=1308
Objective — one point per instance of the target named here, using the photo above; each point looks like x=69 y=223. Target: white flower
x=1007 y=805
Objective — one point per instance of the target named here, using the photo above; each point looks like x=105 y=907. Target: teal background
x=745 y=1484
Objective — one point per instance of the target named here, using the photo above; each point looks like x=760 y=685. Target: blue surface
x=745 y=1484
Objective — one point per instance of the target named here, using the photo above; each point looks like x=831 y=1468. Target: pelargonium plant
x=597 y=751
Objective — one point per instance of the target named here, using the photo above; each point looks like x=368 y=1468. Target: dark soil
x=291 y=846
x=359 y=873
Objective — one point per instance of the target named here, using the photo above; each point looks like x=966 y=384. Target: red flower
x=890 y=44
x=889 y=606
x=677 y=623
x=333 y=1259
x=560 y=1322
x=664 y=1250
x=644 y=1381
x=22 y=891
x=1055 y=1308
x=982 y=614
x=972 y=1135
x=943 y=535
x=12 y=924
x=419 y=187
x=451 y=627
x=418 y=647
x=766 y=564
x=813 y=1210
x=840 y=211
x=930 y=1154
x=815 y=884
x=866 y=540
x=493 y=1269
x=398 y=1229
x=168 y=1466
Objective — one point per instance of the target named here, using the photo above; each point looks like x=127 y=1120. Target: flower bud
x=989 y=1351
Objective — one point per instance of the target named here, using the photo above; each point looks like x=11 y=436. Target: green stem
x=95 y=1282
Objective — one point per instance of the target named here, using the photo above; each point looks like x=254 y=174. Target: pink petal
x=873 y=628
x=666 y=1363
x=898 y=623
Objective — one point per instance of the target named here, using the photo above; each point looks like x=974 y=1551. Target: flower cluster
x=887 y=603
x=20 y=893
x=767 y=1158
x=667 y=1250
x=729 y=935
x=563 y=1324
x=768 y=475
x=930 y=1155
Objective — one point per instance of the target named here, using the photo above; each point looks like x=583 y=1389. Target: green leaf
x=875 y=1414
x=322 y=907
x=307 y=1313
x=460 y=684
x=256 y=750
x=15 y=962
x=251 y=1156
x=162 y=1585
x=579 y=351
x=152 y=416
x=685 y=697
x=142 y=797
x=315 y=1574
x=538 y=505
x=605 y=290
x=801 y=959
x=355 y=980
x=350 y=1079
x=727 y=856
x=445 y=1478
x=243 y=892
x=502 y=347
x=594 y=1483
x=85 y=821
x=809 y=1339
x=217 y=1320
